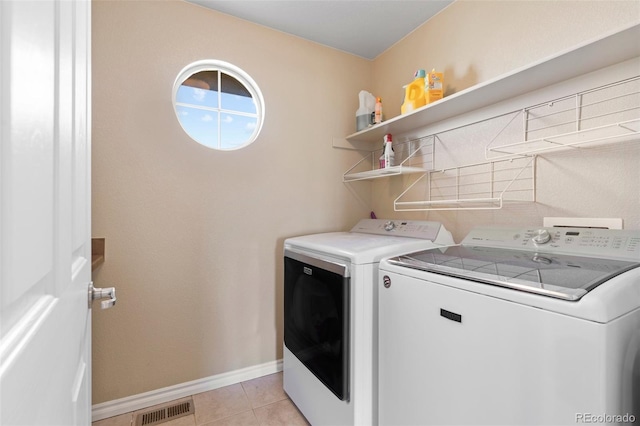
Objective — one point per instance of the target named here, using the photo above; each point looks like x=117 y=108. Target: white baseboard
x=160 y=396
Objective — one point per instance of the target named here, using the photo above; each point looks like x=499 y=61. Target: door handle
x=108 y=293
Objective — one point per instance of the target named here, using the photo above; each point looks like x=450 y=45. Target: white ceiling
x=362 y=27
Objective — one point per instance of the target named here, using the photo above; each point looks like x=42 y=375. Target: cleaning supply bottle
x=363 y=114
x=388 y=156
x=414 y=96
x=435 y=86
x=378 y=111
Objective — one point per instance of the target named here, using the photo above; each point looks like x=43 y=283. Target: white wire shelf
x=415 y=156
x=608 y=114
x=379 y=173
x=472 y=187
x=605 y=115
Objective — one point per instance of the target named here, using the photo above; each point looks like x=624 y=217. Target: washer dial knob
x=389 y=226
x=542 y=236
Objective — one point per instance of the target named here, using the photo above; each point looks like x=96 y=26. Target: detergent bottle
x=414 y=93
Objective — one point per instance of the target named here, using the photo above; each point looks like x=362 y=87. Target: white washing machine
x=513 y=327
x=330 y=315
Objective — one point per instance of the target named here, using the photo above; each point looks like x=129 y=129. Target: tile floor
x=257 y=402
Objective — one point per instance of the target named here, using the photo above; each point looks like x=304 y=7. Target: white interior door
x=45 y=212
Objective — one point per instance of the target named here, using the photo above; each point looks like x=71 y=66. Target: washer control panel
x=616 y=243
x=399 y=228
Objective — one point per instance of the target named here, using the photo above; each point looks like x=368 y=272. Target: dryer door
x=316 y=318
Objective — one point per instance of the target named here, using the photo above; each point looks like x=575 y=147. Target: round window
x=218 y=105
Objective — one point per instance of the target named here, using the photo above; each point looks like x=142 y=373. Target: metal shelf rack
x=607 y=114
x=478 y=186
x=604 y=115
x=416 y=155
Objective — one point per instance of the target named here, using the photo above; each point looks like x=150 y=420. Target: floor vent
x=165 y=414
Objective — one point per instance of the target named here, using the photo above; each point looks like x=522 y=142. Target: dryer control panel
x=399 y=228
x=610 y=243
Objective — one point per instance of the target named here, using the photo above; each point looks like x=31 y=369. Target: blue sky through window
x=218 y=120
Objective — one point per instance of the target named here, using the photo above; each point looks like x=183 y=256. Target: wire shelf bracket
x=478 y=186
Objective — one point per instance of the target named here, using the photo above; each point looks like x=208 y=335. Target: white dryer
x=513 y=327
x=330 y=315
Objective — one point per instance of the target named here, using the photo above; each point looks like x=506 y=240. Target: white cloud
x=251 y=126
x=198 y=94
x=207 y=118
x=227 y=119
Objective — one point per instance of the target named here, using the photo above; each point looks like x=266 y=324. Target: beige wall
x=476 y=41
x=194 y=236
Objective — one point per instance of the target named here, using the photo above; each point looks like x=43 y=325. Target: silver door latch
x=102 y=293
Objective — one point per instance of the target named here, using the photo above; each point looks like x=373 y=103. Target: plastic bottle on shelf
x=365 y=111
x=434 y=89
x=414 y=96
x=378 y=111
x=388 y=156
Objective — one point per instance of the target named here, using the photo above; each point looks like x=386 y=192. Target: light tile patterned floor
x=257 y=402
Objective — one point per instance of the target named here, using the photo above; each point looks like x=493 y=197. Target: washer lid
x=550 y=274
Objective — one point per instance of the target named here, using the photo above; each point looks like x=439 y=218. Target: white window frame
x=238 y=74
